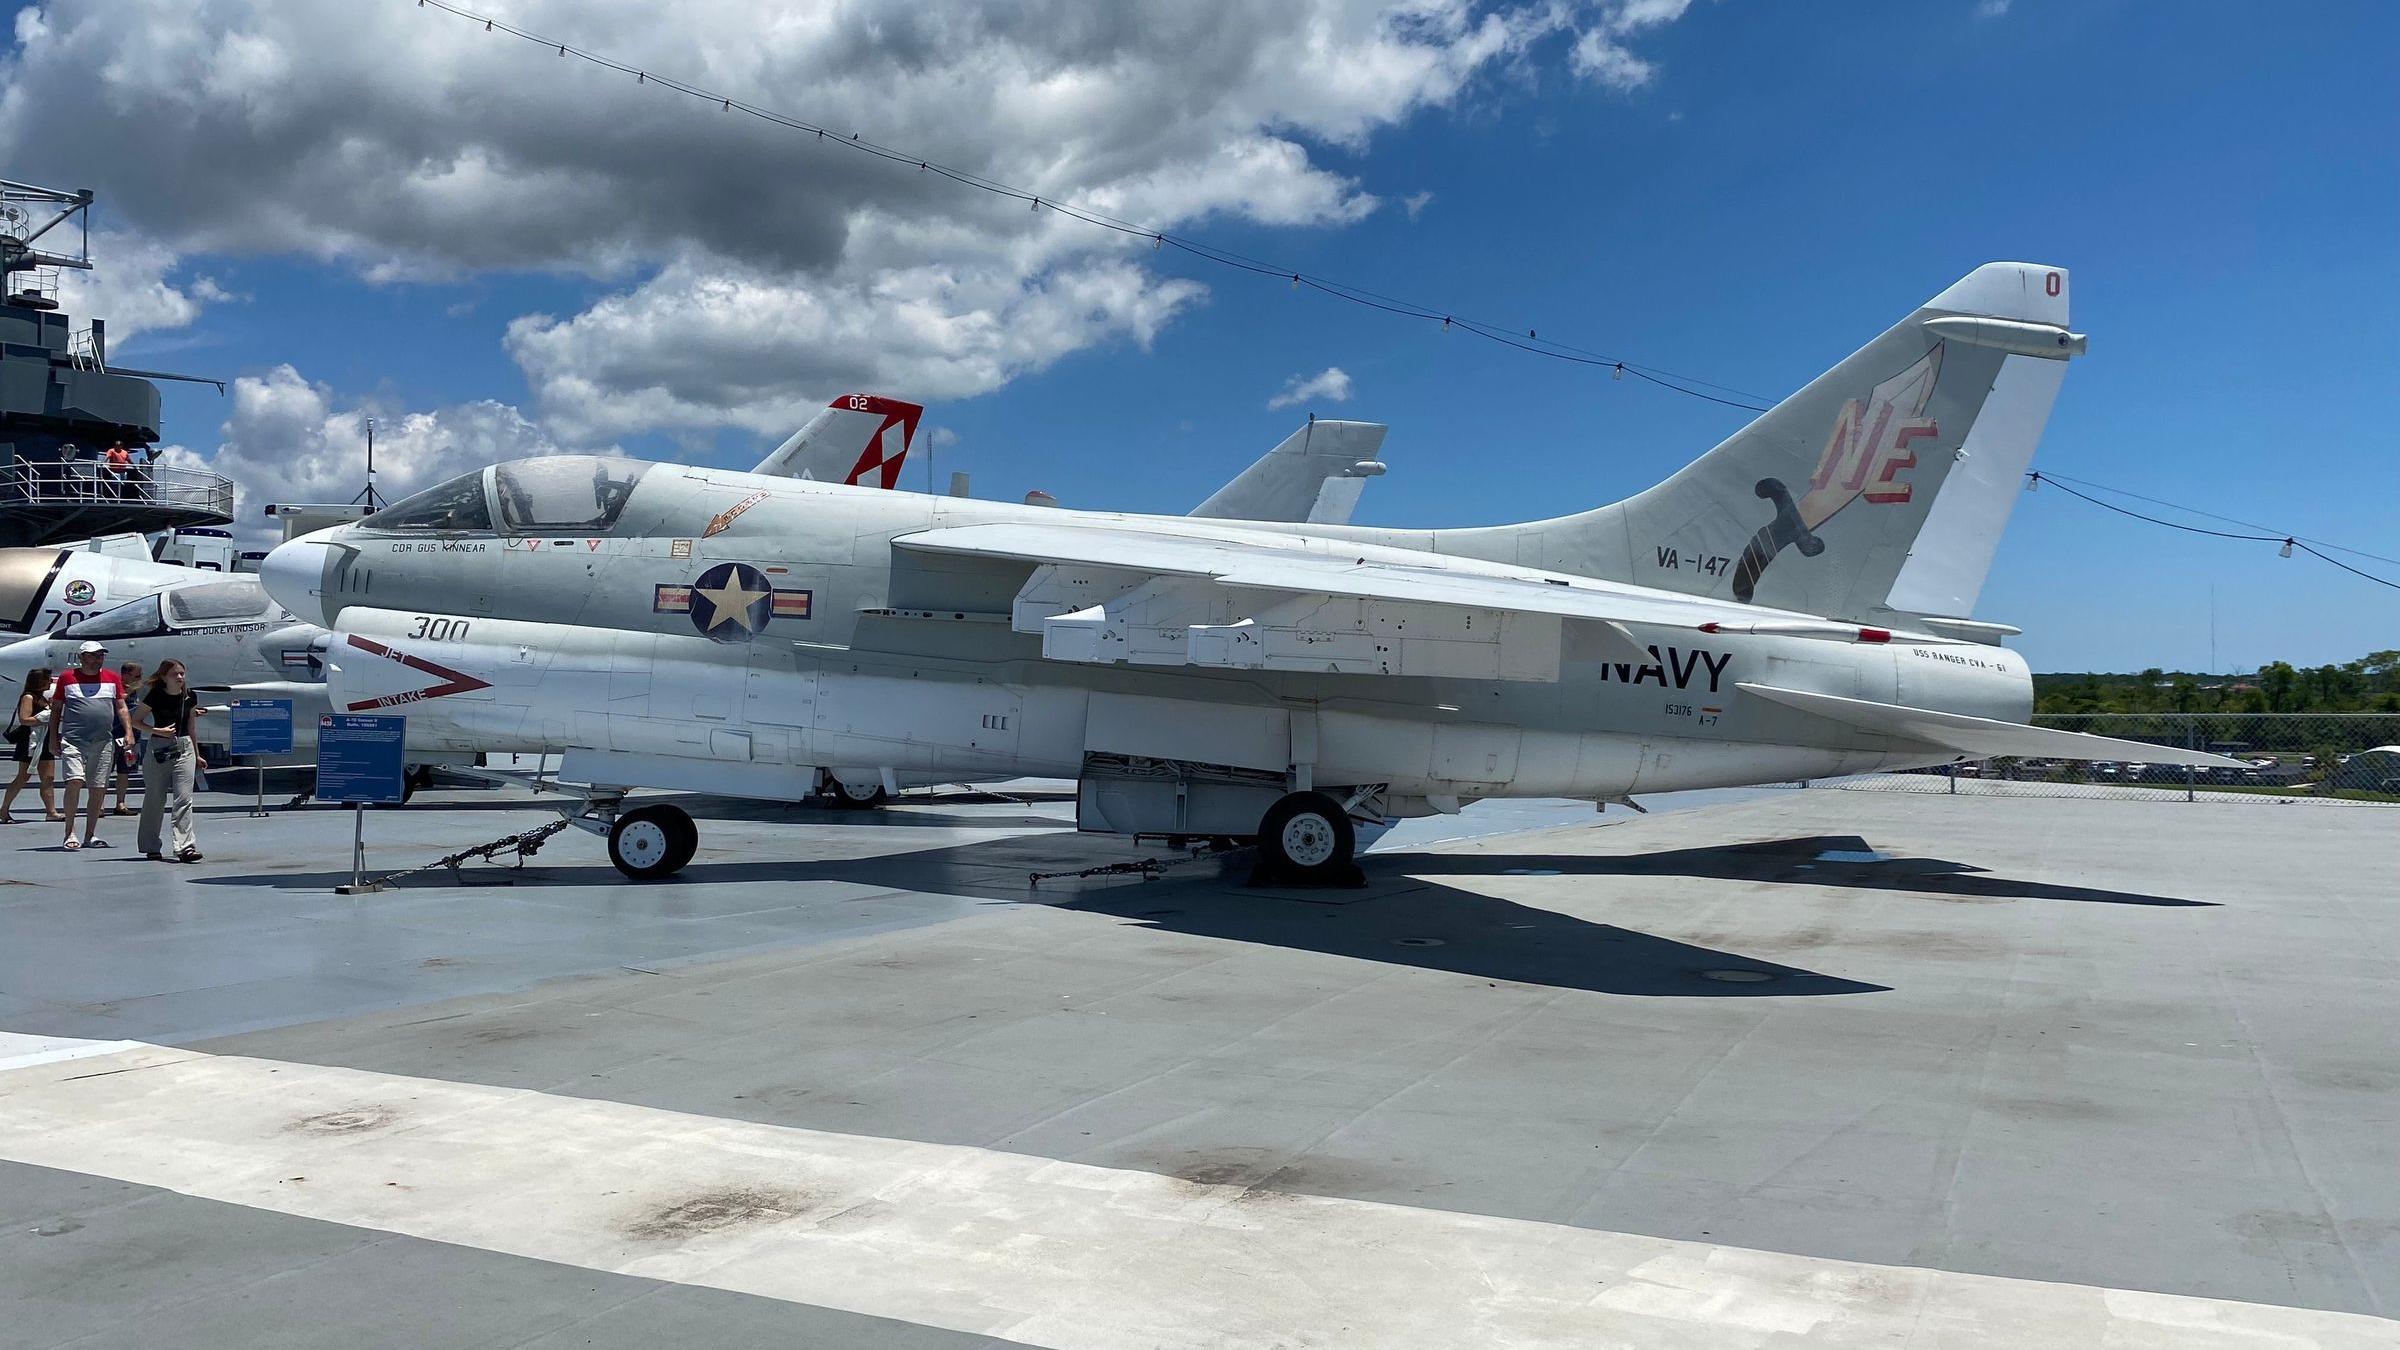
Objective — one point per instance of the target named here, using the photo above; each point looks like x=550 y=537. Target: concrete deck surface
x=1887 y=1040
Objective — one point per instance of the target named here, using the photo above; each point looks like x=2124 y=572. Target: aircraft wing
x=1978 y=737
x=1315 y=475
x=1264 y=601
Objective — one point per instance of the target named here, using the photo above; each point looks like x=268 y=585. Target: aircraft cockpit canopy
x=208 y=604
x=552 y=494
x=455 y=507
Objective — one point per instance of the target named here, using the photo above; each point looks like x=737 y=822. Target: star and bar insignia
x=731 y=602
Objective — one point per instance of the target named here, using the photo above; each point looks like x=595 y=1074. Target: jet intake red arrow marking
x=454 y=682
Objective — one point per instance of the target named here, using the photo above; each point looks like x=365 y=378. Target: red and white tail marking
x=861 y=439
x=888 y=447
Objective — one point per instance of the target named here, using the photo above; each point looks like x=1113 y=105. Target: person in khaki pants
x=169 y=755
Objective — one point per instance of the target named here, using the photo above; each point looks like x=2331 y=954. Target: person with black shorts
x=27 y=747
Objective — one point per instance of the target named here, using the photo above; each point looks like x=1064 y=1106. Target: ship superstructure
x=63 y=406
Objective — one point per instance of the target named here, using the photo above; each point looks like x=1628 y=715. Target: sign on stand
x=258 y=726
x=359 y=761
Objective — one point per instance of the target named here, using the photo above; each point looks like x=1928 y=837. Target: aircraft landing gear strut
x=652 y=842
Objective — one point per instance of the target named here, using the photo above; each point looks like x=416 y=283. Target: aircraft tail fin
x=859 y=438
x=1979 y=737
x=1315 y=475
x=1880 y=488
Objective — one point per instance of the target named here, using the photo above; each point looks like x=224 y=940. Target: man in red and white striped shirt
x=88 y=726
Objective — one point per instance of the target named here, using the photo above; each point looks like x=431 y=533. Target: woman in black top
x=165 y=720
x=27 y=746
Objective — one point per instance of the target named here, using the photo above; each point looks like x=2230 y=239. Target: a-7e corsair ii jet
x=1791 y=605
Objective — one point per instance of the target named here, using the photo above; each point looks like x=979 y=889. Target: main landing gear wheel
x=652 y=842
x=1306 y=839
x=855 y=796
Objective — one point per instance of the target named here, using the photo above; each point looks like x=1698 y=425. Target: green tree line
x=2369 y=684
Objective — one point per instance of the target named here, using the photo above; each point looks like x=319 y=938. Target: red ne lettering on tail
x=1871 y=442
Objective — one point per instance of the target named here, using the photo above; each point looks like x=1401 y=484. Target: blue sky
x=2223 y=181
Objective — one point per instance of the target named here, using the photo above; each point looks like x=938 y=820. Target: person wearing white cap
x=88 y=726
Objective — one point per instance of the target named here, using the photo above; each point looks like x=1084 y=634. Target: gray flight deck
x=1792 y=1067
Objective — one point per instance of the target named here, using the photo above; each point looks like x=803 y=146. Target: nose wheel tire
x=1306 y=838
x=652 y=842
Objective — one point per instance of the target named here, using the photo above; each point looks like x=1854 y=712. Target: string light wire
x=2289 y=542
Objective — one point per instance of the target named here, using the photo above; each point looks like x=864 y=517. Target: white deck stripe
x=21 y=1051
x=1001 y=1244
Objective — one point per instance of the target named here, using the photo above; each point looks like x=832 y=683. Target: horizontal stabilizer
x=1978 y=737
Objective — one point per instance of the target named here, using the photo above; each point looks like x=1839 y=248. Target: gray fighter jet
x=1794 y=604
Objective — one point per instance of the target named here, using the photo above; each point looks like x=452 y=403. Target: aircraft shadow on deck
x=1800 y=861
x=1435 y=927
x=1401 y=919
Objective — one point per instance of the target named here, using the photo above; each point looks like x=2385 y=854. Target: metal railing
x=89 y=482
x=40 y=283
x=2346 y=758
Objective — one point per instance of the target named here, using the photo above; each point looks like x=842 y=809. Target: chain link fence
x=2333 y=758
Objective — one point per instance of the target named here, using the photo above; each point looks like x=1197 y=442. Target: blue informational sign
x=259 y=726
x=358 y=758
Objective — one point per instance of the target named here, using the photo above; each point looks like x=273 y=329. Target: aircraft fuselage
x=734 y=632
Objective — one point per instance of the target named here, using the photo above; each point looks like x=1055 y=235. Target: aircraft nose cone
x=295 y=575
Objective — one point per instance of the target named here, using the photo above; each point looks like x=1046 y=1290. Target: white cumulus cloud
x=1602 y=52
x=1330 y=385
x=288 y=439
x=706 y=343
x=747 y=270
x=135 y=286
